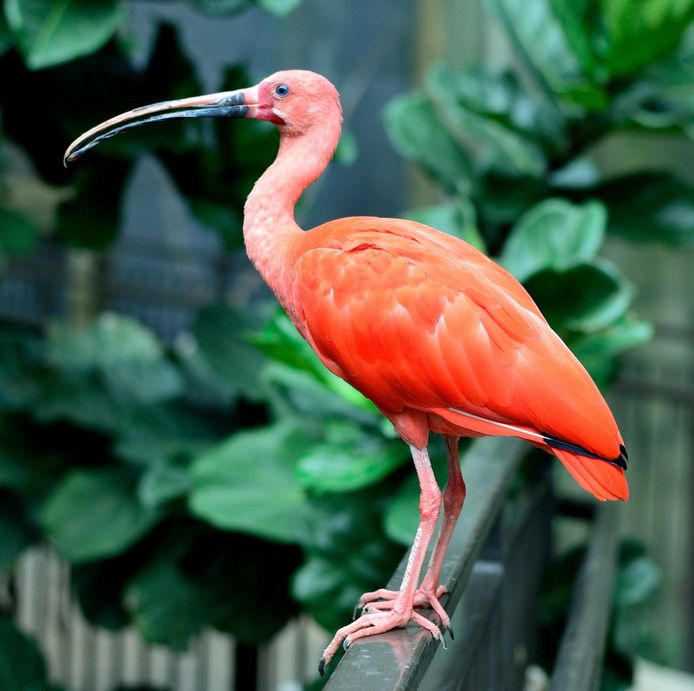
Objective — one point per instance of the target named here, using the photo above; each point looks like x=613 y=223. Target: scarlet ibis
x=436 y=334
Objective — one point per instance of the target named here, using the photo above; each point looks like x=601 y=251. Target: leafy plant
x=229 y=480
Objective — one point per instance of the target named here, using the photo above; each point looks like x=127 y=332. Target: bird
x=437 y=335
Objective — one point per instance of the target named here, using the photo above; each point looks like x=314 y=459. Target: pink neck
x=269 y=229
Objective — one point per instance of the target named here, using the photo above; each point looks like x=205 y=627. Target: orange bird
x=437 y=335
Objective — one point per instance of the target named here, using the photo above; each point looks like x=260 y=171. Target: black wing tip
x=620 y=461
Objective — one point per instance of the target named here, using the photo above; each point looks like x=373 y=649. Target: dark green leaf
x=637 y=581
x=538 y=39
x=22 y=667
x=248 y=484
x=587 y=297
x=168 y=432
x=220 y=353
x=281 y=342
x=597 y=351
x=20 y=357
x=94 y=514
x=16 y=530
x=6 y=38
x=416 y=132
x=579 y=19
x=347 y=150
x=92 y=217
x=503 y=198
x=493 y=125
x=126 y=354
x=52 y=32
x=455 y=218
x=554 y=234
x=296 y=391
x=163 y=483
x=637 y=38
x=349 y=555
x=650 y=207
x=99 y=589
x=18 y=236
x=168 y=608
x=663 y=98
x=244 y=582
x=402 y=518
x=349 y=460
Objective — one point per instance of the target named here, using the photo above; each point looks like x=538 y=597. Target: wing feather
x=417 y=319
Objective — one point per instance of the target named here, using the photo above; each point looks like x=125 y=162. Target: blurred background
x=188 y=500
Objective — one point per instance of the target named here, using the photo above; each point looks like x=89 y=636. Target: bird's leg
x=401 y=610
x=429 y=592
x=453 y=500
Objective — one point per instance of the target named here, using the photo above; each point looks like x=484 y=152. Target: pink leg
x=401 y=611
x=430 y=591
x=453 y=500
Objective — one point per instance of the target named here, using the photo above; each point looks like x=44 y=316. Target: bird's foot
x=375 y=621
x=383 y=600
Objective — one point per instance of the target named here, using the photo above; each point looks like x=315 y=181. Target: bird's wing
x=417 y=319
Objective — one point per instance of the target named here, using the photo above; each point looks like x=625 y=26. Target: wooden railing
x=493 y=572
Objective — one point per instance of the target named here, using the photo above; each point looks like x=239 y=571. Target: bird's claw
x=442 y=639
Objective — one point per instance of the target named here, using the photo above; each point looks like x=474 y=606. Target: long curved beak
x=225 y=104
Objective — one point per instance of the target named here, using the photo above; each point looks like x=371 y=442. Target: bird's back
x=419 y=320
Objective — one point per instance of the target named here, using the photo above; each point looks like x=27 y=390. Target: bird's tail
x=601 y=478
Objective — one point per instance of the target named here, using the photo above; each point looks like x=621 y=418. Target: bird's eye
x=281 y=90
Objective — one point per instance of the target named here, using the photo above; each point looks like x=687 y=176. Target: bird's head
x=297 y=101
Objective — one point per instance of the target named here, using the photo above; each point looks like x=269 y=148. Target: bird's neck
x=270 y=232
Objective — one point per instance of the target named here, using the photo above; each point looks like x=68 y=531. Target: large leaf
x=539 y=40
x=664 y=95
x=218 y=351
x=587 y=297
x=455 y=218
x=126 y=354
x=650 y=207
x=5 y=34
x=94 y=514
x=493 y=125
x=16 y=531
x=18 y=236
x=349 y=555
x=579 y=19
x=99 y=588
x=349 y=459
x=55 y=31
x=637 y=38
x=168 y=608
x=281 y=342
x=247 y=484
x=22 y=667
x=554 y=234
x=597 y=351
x=401 y=517
x=91 y=218
x=416 y=132
x=217 y=579
x=245 y=582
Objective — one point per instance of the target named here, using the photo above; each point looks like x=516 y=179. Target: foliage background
x=133 y=454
